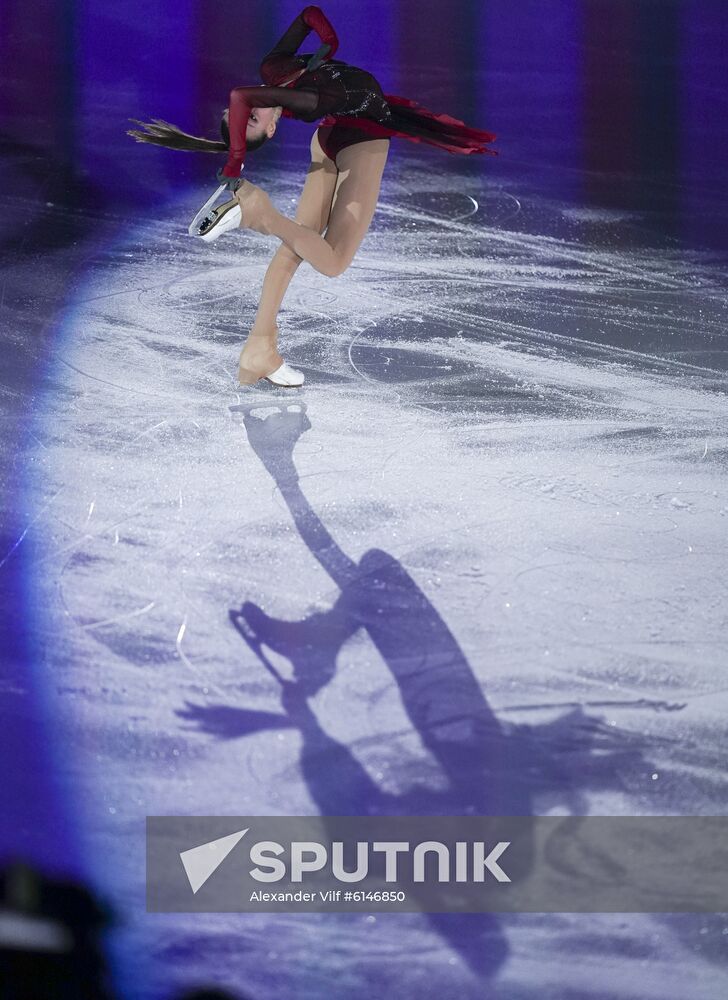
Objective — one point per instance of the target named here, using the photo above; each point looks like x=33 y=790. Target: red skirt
x=412 y=121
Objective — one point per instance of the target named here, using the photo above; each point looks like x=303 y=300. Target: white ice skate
x=286 y=376
x=209 y=222
x=193 y=228
x=220 y=220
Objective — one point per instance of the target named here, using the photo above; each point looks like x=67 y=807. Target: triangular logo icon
x=200 y=862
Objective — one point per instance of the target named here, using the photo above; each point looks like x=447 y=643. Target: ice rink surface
x=488 y=536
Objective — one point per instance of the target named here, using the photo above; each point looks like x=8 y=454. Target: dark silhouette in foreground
x=488 y=768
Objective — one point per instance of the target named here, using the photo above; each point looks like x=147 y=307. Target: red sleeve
x=316 y=19
x=282 y=62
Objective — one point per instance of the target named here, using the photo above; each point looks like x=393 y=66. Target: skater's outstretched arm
x=281 y=62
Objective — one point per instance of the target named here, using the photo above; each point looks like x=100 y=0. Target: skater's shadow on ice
x=485 y=767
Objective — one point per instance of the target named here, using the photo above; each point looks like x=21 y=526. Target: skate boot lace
x=214 y=216
x=207 y=222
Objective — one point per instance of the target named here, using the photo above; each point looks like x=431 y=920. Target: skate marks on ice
x=549 y=509
x=518 y=321
x=463 y=316
x=444 y=296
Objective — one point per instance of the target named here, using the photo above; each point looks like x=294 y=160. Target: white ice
x=524 y=410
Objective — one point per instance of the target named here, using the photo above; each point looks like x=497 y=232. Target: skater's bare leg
x=260 y=351
x=355 y=199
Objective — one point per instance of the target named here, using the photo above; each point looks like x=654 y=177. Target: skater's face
x=261 y=125
x=262 y=120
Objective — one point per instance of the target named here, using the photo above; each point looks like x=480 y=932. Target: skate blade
x=194 y=226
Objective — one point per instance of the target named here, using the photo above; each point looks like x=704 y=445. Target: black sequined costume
x=348 y=99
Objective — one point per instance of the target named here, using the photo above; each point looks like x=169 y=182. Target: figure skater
x=348 y=153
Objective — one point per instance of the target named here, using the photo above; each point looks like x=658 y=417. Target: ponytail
x=161 y=133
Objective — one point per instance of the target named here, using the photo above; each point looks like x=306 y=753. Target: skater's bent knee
x=335 y=267
x=331 y=270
